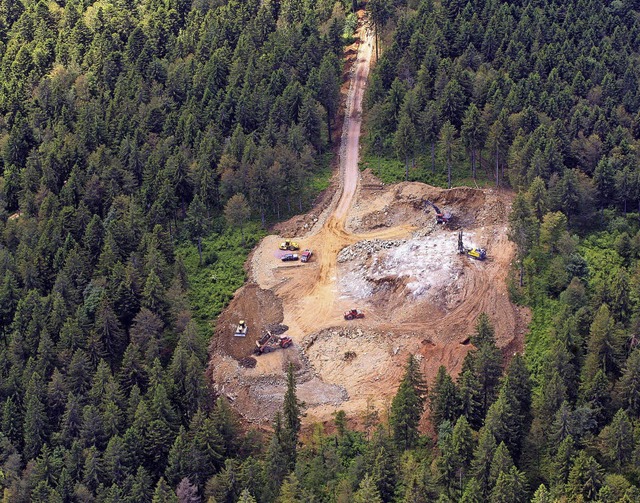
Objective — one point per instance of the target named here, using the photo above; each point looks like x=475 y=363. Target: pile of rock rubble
x=364 y=249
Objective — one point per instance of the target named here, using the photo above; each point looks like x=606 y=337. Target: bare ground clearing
x=377 y=250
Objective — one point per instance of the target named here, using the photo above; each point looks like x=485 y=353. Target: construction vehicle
x=290 y=245
x=352 y=314
x=442 y=217
x=241 y=329
x=305 y=255
x=269 y=342
x=475 y=253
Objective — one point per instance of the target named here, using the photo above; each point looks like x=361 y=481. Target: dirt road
x=377 y=250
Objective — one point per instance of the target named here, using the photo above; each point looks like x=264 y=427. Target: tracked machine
x=442 y=217
x=475 y=253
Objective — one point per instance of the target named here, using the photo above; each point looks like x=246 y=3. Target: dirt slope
x=375 y=248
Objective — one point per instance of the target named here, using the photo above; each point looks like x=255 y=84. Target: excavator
x=442 y=217
x=269 y=342
x=476 y=253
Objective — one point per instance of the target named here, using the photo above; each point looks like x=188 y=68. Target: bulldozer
x=442 y=217
x=290 y=245
x=475 y=253
x=241 y=329
x=269 y=342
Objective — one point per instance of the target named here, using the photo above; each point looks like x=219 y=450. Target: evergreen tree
x=291 y=413
x=443 y=399
x=629 y=385
x=404 y=142
x=163 y=493
x=482 y=460
x=407 y=406
x=367 y=491
x=618 y=440
x=510 y=487
x=563 y=461
x=585 y=478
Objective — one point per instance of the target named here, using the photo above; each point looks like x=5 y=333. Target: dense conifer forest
x=128 y=129
x=133 y=135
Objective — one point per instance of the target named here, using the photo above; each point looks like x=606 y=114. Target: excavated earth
x=418 y=294
x=376 y=248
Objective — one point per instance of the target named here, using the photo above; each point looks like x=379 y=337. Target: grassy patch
x=322 y=177
x=391 y=170
x=212 y=283
x=538 y=340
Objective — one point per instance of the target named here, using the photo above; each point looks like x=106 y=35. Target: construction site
x=385 y=272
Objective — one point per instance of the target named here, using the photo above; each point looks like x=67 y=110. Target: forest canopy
x=127 y=131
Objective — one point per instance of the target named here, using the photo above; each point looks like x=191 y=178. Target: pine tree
x=246 y=497
x=482 y=459
x=35 y=419
x=542 y=495
x=585 y=478
x=470 y=392
x=462 y=443
x=383 y=461
x=563 y=461
x=618 y=440
x=443 y=399
x=473 y=134
x=602 y=348
x=472 y=492
x=277 y=465
x=629 y=385
x=511 y=487
x=367 y=491
x=446 y=462
x=404 y=142
x=447 y=145
x=163 y=493
x=291 y=413
x=196 y=222
x=502 y=462
x=407 y=406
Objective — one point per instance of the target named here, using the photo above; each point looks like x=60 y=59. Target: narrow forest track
x=419 y=296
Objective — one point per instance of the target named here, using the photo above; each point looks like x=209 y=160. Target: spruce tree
x=511 y=487
x=443 y=398
x=585 y=478
x=618 y=441
x=629 y=385
x=482 y=459
x=163 y=493
x=367 y=491
x=291 y=414
x=407 y=406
